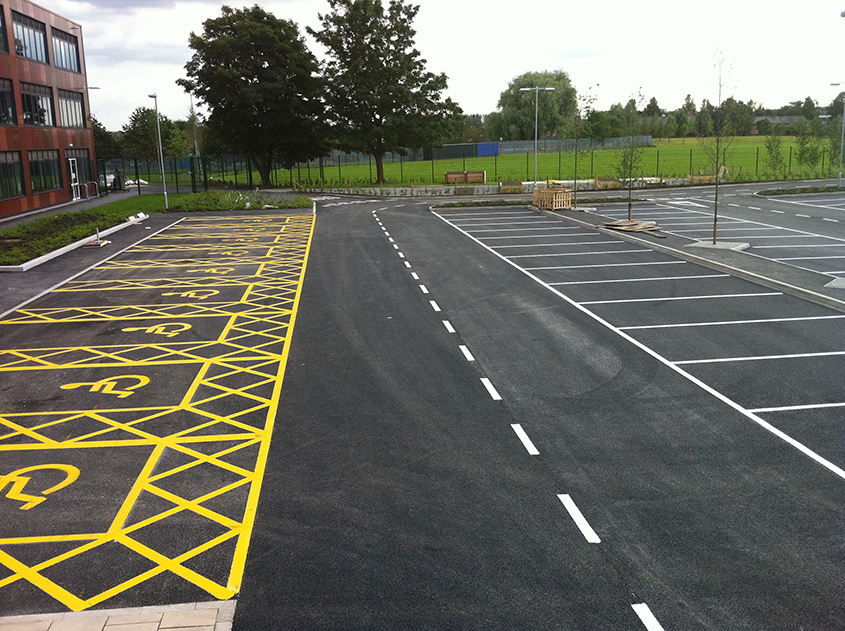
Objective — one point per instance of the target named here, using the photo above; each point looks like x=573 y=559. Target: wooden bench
x=466 y=177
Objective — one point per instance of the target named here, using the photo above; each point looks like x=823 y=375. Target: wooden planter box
x=553 y=198
x=466 y=177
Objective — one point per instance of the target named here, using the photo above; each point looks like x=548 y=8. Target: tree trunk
x=379 y=168
x=264 y=165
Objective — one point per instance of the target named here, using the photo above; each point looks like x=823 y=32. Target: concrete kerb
x=801 y=292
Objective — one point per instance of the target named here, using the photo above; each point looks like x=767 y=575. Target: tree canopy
x=380 y=96
x=261 y=85
x=515 y=115
x=140 y=135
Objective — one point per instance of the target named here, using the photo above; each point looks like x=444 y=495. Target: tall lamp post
x=536 y=121
x=160 y=150
x=842 y=138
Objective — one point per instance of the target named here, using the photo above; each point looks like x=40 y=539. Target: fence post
x=823 y=152
x=496 y=166
x=657 y=173
x=370 y=160
x=249 y=170
x=235 y=169
x=176 y=172
x=339 y=172
x=757 y=166
x=432 y=167
x=401 y=170
x=690 y=161
x=558 y=164
x=592 y=157
x=790 y=161
x=527 y=167
x=137 y=175
x=204 y=165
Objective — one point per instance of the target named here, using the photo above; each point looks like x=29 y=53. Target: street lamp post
x=536 y=121
x=842 y=137
x=160 y=150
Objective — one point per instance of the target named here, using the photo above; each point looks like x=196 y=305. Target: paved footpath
x=136 y=411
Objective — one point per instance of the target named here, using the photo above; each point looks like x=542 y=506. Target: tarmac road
x=497 y=420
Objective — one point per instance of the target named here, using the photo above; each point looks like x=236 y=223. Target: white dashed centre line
x=529 y=446
x=753 y=208
x=415 y=276
x=424 y=289
x=829 y=219
x=407 y=264
x=466 y=353
x=647 y=617
x=800 y=215
x=434 y=305
x=448 y=326
x=491 y=389
x=401 y=256
x=579 y=519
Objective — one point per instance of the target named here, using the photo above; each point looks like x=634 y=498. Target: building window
x=83 y=164
x=37 y=102
x=4 y=40
x=70 y=109
x=65 y=50
x=45 y=170
x=11 y=174
x=7 y=103
x=30 y=37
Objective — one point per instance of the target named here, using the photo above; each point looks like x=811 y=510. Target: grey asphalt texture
x=398 y=496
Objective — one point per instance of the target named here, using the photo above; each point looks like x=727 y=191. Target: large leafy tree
x=107 y=144
x=556 y=110
x=380 y=96
x=140 y=134
x=261 y=85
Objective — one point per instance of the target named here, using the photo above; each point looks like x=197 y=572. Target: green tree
x=601 y=125
x=689 y=105
x=140 y=135
x=740 y=117
x=704 y=120
x=774 y=163
x=809 y=109
x=261 y=85
x=629 y=160
x=809 y=146
x=652 y=109
x=380 y=96
x=107 y=144
x=765 y=127
x=556 y=110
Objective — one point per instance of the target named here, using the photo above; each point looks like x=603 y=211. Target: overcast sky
x=774 y=52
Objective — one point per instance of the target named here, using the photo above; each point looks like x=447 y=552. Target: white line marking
x=526 y=442
x=579 y=519
x=829 y=219
x=804 y=216
x=753 y=208
x=408 y=265
x=466 y=353
x=401 y=256
x=534 y=256
x=724 y=360
x=808 y=258
x=637 y=280
x=647 y=618
x=552 y=245
x=399 y=205
x=827 y=464
x=531 y=236
x=434 y=305
x=391 y=240
x=734 y=205
x=448 y=326
x=614 y=302
x=728 y=322
x=494 y=394
x=780 y=212
x=530 y=269
x=789 y=408
x=486 y=217
x=395 y=246
x=424 y=289
x=523 y=229
x=415 y=276
x=513 y=223
x=816 y=245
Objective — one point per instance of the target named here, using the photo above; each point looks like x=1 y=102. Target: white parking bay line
x=529 y=446
x=638 y=280
x=646 y=617
x=724 y=360
x=728 y=322
x=534 y=256
x=616 y=302
x=579 y=519
x=790 y=408
x=494 y=394
x=467 y=354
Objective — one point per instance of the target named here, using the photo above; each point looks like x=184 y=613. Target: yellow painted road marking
x=220 y=429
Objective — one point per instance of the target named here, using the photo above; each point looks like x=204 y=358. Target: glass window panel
x=30 y=37
x=7 y=103
x=65 y=50
x=11 y=174
x=37 y=103
x=45 y=170
x=70 y=109
x=4 y=42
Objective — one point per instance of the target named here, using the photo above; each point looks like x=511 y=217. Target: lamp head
x=152 y=96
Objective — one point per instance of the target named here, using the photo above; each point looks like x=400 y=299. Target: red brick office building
x=46 y=139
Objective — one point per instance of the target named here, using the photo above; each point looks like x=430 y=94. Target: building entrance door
x=73 y=178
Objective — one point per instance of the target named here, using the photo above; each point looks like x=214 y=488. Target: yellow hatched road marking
x=225 y=414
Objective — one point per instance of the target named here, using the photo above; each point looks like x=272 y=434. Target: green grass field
x=667 y=158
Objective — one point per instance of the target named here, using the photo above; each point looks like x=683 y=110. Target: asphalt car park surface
x=490 y=419
x=494 y=421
